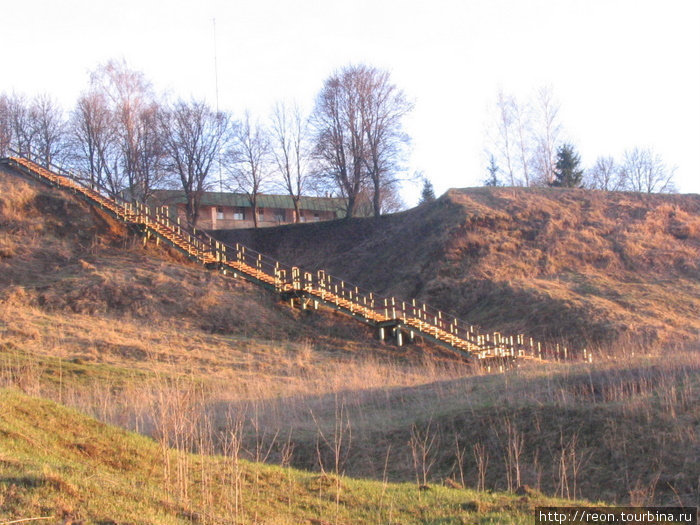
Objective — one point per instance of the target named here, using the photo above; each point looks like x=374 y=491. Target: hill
x=602 y=270
x=139 y=337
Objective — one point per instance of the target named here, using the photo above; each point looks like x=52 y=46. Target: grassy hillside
x=56 y=463
x=219 y=373
x=595 y=269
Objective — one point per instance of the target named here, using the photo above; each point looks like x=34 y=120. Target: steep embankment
x=591 y=268
x=76 y=287
x=62 y=255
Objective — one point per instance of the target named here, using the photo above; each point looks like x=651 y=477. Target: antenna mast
x=216 y=91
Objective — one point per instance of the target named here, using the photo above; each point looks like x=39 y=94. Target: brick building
x=226 y=211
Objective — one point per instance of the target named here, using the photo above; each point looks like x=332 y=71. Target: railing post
x=321 y=278
x=296 y=282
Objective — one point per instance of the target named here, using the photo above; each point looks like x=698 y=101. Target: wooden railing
x=399 y=319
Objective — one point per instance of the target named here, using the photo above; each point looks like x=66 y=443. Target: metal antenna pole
x=216 y=88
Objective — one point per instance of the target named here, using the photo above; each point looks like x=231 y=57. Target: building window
x=261 y=214
x=238 y=215
x=317 y=217
x=220 y=213
x=279 y=216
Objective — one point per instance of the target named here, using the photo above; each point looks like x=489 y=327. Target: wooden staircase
x=399 y=319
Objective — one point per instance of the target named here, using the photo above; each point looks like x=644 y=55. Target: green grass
x=55 y=462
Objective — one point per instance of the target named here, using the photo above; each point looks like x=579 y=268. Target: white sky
x=626 y=72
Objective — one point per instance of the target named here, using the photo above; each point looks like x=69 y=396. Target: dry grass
x=620 y=429
x=592 y=269
x=134 y=336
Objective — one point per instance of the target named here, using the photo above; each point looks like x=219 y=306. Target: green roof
x=240 y=200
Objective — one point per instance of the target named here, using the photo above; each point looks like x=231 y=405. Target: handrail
x=411 y=317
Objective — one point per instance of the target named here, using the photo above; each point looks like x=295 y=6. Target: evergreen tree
x=567 y=171
x=493 y=169
x=427 y=193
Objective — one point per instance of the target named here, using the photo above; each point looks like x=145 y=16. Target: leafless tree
x=605 y=175
x=383 y=107
x=22 y=130
x=193 y=135
x=358 y=134
x=35 y=128
x=339 y=141
x=504 y=133
x=389 y=200
x=150 y=151
x=512 y=138
x=49 y=128
x=424 y=444
x=547 y=132
x=289 y=148
x=250 y=158
x=131 y=98
x=521 y=118
x=5 y=128
x=481 y=457
x=645 y=171
x=92 y=135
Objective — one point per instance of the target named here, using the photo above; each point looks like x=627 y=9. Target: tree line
x=525 y=148
x=124 y=136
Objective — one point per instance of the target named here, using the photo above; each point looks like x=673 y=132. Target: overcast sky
x=625 y=72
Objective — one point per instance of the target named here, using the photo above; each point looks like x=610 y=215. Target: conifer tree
x=567 y=171
x=493 y=169
x=427 y=193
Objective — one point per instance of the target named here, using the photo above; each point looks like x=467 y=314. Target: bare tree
x=5 y=128
x=289 y=148
x=92 y=137
x=150 y=151
x=250 y=161
x=505 y=121
x=49 y=128
x=605 y=175
x=389 y=200
x=130 y=96
x=193 y=135
x=424 y=444
x=521 y=117
x=339 y=141
x=383 y=107
x=481 y=457
x=547 y=132
x=512 y=138
x=23 y=133
x=645 y=171
x=359 y=139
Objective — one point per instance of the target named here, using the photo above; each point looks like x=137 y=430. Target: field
x=247 y=411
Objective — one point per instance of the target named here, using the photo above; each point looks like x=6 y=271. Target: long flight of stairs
x=399 y=319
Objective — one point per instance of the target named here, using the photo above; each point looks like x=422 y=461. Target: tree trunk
x=297 y=214
x=376 y=199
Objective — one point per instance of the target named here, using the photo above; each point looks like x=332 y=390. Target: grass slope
x=55 y=462
x=61 y=256
x=595 y=269
x=138 y=337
